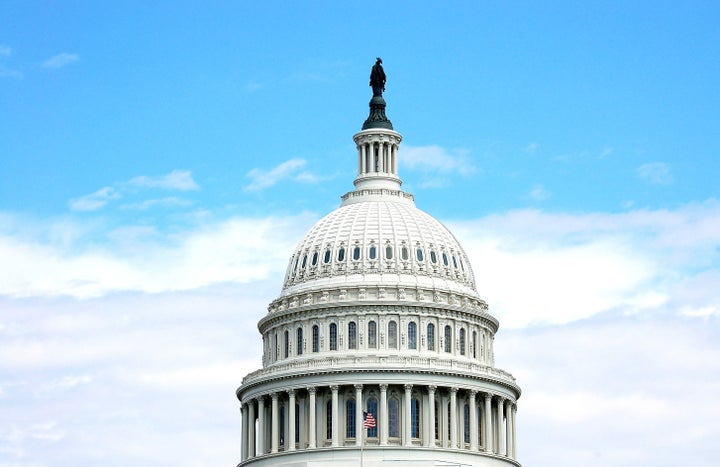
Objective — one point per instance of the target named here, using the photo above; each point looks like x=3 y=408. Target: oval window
x=462 y=266
x=356 y=253
x=405 y=253
x=373 y=252
x=454 y=262
x=304 y=263
x=314 y=259
x=388 y=252
x=433 y=256
x=445 y=260
x=419 y=254
x=326 y=259
x=341 y=254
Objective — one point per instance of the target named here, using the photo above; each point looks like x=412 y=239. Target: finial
x=377 y=118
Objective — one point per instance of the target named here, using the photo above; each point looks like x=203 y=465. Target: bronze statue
x=377 y=78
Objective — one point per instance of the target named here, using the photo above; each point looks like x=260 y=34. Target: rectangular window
x=333 y=336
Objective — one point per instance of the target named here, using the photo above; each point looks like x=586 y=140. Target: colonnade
x=406 y=415
x=377 y=157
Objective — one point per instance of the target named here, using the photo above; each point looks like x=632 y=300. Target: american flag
x=368 y=420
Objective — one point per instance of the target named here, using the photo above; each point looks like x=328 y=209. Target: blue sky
x=159 y=161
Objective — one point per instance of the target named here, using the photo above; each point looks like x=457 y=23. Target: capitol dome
x=378 y=348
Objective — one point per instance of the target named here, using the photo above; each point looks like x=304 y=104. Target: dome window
x=462 y=265
x=297 y=260
x=404 y=253
x=328 y=255
x=419 y=254
x=445 y=259
x=372 y=335
x=454 y=262
x=433 y=256
x=341 y=254
x=388 y=252
x=356 y=253
x=373 y=252
x=304 y=262
x=392 y=335
x=314 y=259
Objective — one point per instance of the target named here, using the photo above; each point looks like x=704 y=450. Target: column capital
x=488 y=396
x=311 y=390
x=291 y=392
x=432 y=388
x=408 y=387
x=383 y=387
x=453 y=390
x=359 y=386
x=473 y=393
x=274 y=396
x=334 y=388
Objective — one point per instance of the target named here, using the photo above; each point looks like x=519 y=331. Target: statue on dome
x=377 y=78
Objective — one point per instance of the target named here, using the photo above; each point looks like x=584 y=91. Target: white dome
x=379 y=238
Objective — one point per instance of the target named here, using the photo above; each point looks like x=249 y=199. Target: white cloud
x=436 y=159
x=60 y=60
x=657 y=173
x=290 y=169
x=180 y=180
x=539 y=193
x=94 y=201
x=572 y=267
x=532 y=148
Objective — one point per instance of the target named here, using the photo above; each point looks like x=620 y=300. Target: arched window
x=328 y=255
x=445 y=260
x=392 y=335
x=431 y=336
x=412 y=335
x=373 y=252
x=350 y=418
x=333 y=336
x=461 y=338
x=448 y=339
x=433 y=256
x=287 y=344
x=415 y=417
x=466 y=423
x=419 y=254
x=372 y=408
x=314 y=259
x=393 y=418
x=474 y=344
x=388 y=252
x=352 y=335
x=372 y=335
x=462 y=265
x=304 y=262
x=356 y=253
x=341 y=254
x=454 y=262
x=328 y=420
x=404 y=253
x=315 y=338
x=297 y=260
x=299 y=342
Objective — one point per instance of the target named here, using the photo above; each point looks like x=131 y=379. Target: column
x=290 y=442
x=312 y=418
x=358 y=415
x=261 y=426
x=275 y=425
x=508 y=428
x=395 y=159
x=383 y=415
x=363 y=150
x=453 y=417
x=371 y=159
x=431 y=428
x=473 y=422
x=408 y=412
x=251 y=429
x=335 y=420
x=500 y=435
x=514 y=432
x=381 y=156
x=488 y=423
x=244 y=431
